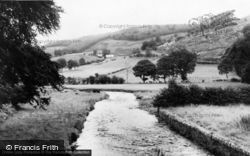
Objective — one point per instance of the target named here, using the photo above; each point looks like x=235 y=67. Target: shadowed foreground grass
x=63 y=120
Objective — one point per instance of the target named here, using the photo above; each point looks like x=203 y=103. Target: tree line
x=62 y=63
x=179 y=62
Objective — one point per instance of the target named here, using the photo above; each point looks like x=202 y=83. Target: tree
x=136 y=52
x=148 y=52
x=72 y=64
x=82 y=61
x=165 y=67
x=143 y=69
x=246 y=31
x=105 y=52
x=62 y=63
x=183 y=61
x=237 y=56
x=149 y=44
x=25 y=69
x=225 y=67
x=246 y=74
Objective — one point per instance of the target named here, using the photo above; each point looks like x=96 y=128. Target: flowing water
x=117 y=127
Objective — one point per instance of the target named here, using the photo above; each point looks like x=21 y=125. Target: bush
x=174 y=95
x=104 y=79
x=82 y=62
x=235 y=80
x=115 y=80
x=178 y=95
x=244 y=95
x=195 y=94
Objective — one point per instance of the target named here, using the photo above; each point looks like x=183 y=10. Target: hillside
x=209 y=48
x=127 y=37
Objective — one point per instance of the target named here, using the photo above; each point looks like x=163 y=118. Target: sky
x=90 y=17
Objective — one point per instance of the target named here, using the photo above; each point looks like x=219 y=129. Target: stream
x=117 y=127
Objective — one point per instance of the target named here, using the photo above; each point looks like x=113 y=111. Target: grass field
x=223 y=120
x=66 y=109
x=105 y=67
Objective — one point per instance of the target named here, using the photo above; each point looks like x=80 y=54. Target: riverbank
x=224 y=129
x=140 y=87
x=63 y=119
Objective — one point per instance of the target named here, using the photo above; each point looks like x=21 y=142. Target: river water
x=117 y=127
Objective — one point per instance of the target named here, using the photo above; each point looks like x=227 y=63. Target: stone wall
x=214 y=143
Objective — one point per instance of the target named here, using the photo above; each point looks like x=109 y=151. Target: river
x=117 y=127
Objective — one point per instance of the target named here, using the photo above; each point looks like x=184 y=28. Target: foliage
x=104 y=79
x=143 y=69
x=246 y=31
x=136 y=52
x=82 y=61
x=183 y=62
x=62 y=63
x=179 y=95
x=72 y=64
x=25 y=69
x=149 y=44
x=225 y=67
x=237 y=56
x=105 y=52
x=165 y=67
x=246 y=73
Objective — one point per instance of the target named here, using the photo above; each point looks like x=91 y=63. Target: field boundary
x=210 y=141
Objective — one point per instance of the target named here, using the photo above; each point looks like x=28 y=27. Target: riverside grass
x=63 y=119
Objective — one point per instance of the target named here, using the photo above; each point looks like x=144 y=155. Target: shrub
x=178 y=95
x=174 y=95
x=91 y=79
x=121 y=80
x=82 y=62
x=115 y=80
x=104 y=79
x=195 y=94
x=235 y=80
x=244 y=95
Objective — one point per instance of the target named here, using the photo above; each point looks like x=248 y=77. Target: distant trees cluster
x=237 y=57
x=152 y=44
x=104 y=79
x=62 y=63
x=179 y=62
x=61 y=52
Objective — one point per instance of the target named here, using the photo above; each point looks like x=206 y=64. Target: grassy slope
x=58 y=122
x=123 y=41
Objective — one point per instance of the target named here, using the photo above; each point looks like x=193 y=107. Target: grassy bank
x=231 y=122
x=63 y=120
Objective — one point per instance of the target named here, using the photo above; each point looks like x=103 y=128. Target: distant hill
x=135 y=34
x=209 y=48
